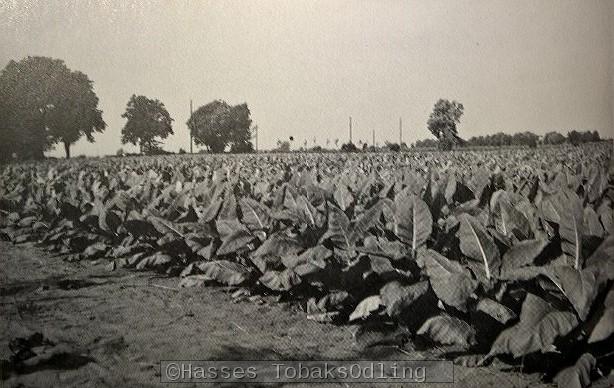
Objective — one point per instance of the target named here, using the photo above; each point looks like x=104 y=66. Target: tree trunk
x=67 y=149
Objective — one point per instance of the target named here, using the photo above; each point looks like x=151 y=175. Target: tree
x=44 y=102
x=240 y=135
x=282 y=146
x=525 y=139
x=442 y=121
x=554 y=138
x=349 y=147
x=218 y=124
x=394 y=147
x=426 y=143
x=148 y=119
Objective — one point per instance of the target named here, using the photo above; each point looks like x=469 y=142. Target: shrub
x=349 y=147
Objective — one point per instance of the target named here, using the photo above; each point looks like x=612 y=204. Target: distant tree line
x=527 y=139
x=43 y=103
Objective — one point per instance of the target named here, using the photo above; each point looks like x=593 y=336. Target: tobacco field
x=505 y=255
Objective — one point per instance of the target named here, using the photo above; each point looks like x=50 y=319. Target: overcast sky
x=303 y=67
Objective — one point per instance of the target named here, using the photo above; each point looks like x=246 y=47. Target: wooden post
x=350 y=129
x=190 y=128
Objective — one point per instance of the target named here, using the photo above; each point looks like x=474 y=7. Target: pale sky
x=303 y=67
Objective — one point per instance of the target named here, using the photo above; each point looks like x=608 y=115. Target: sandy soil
x=118 y=326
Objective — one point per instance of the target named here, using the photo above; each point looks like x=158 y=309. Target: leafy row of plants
x=502 y=255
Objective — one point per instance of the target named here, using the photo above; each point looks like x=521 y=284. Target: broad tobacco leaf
x=604 y=327
x=452 y=282
x=397 y=297
x=496 y=310
x=448 y=330
x=565 y=208
x=514 y=222
x=602 y=260
x=521 y=254
x=366 y=307
x=540 y=324
x=343 y=197
x=592 y=224
x=346 y=234
x=577 y=375
x=224 y=272
x=255 y=214
x=235 y=242
x=280 y=280
x=158 y=261
x=413 y=221
x=580 y=287
x=606 y=215
x=339 y=228
x=279 y=245
x=478 y=245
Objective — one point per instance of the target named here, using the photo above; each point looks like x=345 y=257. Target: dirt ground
x=118 y=325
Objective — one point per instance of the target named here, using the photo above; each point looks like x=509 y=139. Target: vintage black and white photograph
x=307 y=193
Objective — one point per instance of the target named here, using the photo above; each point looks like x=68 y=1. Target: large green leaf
x=413 y=220
x=580 y=287
x=606 y=216
x=280 y=280
x=521 y=254
x=448 y=330
x=540 y=324
x=452 y=282
x=577 y=375
x=604 y=326
x=602 y=260
x=339 y=228
x=514 y=222
x=255 y=214
x=235 y=242
x=279 y=245
x=220 y=271
x=565 y=208
x=496 y=310
x=592 y=224
x=397 y=297
x=478 y=245
x=346 y=234
x=365 y=221
x=366 y=307
x=343 y=197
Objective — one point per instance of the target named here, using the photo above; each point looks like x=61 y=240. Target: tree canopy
x=442 y=121
x=148 y=120
x=43 y=102
x=218 y=125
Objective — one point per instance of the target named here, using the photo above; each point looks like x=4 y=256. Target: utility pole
x=373 y=132
x=256 y=129
x=191 y=128
x=400 y=131
x=350 y=129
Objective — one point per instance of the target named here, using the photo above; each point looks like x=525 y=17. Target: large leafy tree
x=44 y=102
x=443 y=120
x=554 y=138
x=148 y=120
x=219 y=124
